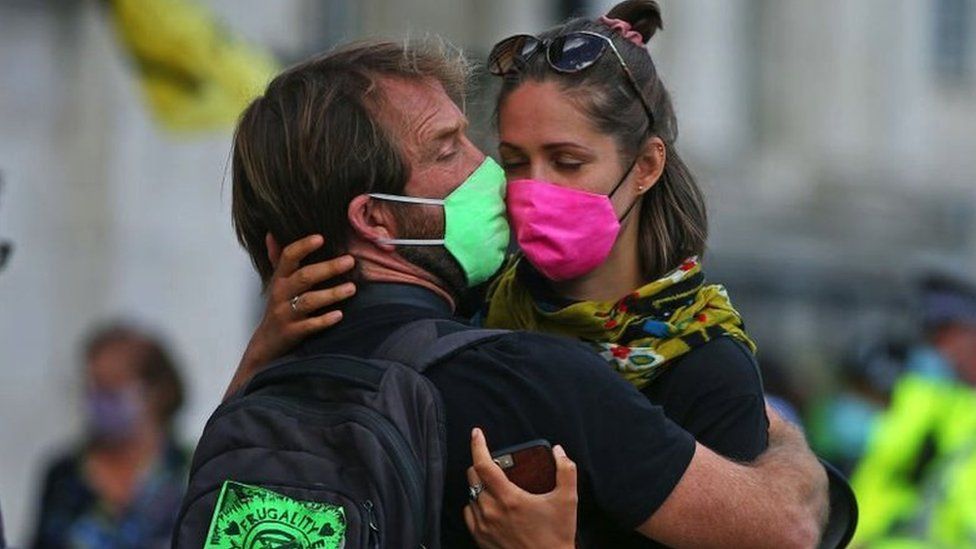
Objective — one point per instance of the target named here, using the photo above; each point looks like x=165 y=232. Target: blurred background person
x=121 y=487
x=948 y=349
x=842 y=420
x=920 y=454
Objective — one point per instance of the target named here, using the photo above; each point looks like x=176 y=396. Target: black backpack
x=328 y=451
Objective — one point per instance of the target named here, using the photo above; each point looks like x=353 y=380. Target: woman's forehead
x=541 y=111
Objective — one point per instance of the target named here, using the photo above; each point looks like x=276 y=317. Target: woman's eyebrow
x=565 y=144
x=548 y=147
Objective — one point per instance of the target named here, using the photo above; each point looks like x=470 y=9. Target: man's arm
x=779 y=500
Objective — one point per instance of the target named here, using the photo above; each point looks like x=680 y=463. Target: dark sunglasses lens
x=575 y=52
x=511 y=54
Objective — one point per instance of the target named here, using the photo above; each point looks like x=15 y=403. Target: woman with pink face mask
x=610 y=225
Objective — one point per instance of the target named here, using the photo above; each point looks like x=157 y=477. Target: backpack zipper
x=374 y=530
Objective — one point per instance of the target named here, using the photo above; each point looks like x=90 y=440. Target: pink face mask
x=565 y=233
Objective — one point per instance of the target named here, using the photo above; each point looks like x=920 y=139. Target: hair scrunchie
x=624 y=29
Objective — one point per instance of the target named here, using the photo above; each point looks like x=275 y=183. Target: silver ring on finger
x=294 y=303
x=475 y=491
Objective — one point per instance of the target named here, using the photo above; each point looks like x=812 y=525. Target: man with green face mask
x=367 y=145
x=475 y=230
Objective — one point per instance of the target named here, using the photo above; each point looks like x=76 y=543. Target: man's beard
x=416 y=223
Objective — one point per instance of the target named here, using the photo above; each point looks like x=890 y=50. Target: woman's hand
x=505 y=516
x=287 y=319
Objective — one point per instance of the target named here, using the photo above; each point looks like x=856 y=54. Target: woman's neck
x=616 y=277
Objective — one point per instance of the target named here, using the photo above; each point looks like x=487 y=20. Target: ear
x=650 y=164
x=371 y=221
x=274 y=249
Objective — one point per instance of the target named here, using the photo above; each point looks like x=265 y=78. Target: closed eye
x=447 y=156
x=568 y=166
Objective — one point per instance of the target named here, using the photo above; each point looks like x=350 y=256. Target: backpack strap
x=347 y=369
x=420 y=344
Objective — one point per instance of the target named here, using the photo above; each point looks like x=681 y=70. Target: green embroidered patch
x=251 y=517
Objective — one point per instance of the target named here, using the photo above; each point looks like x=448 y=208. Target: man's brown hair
x=314 y=141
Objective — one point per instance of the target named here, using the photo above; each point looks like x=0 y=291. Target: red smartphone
x=530 y=466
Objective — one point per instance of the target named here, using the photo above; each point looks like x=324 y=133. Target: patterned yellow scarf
x=638 y=335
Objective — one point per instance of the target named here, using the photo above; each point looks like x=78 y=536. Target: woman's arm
x=505 y=516
x=287 y=320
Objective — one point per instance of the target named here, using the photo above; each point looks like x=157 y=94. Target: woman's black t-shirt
x=715 y=393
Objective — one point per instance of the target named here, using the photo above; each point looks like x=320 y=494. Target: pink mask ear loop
x=624 y=29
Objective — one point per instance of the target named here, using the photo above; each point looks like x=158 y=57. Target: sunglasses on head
x=568 y=53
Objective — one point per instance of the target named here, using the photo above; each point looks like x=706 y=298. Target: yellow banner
x=195 y=75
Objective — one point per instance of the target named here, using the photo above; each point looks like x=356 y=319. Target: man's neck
x=376 y=265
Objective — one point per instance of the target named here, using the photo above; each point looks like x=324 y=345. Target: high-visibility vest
x=929 y=425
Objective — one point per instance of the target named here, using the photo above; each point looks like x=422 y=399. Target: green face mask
x=475 y=229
